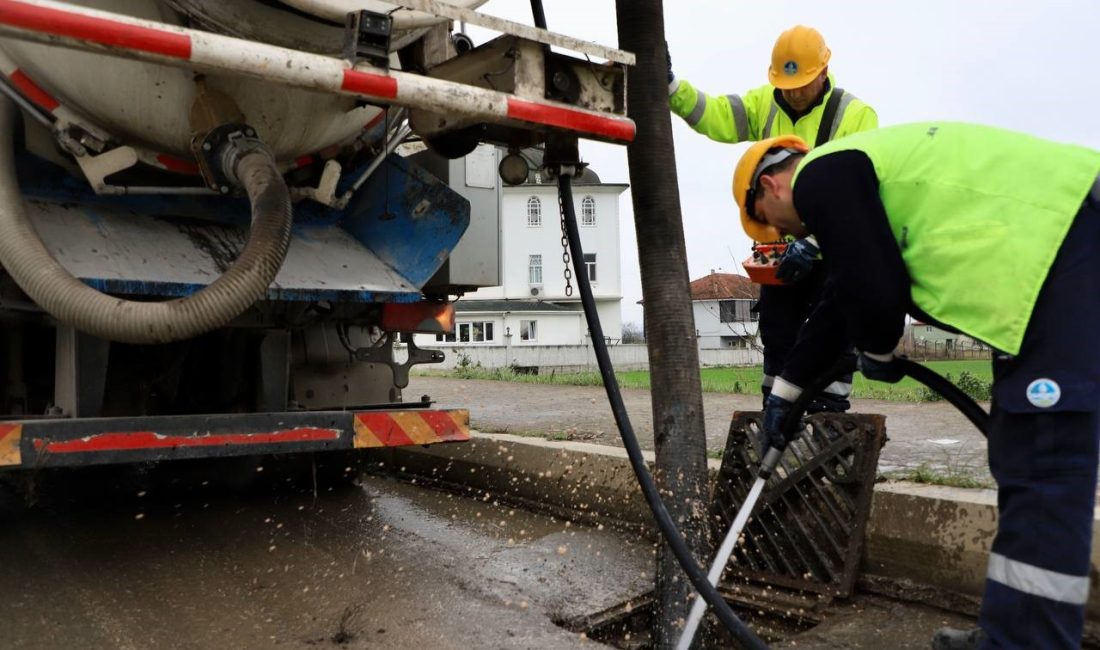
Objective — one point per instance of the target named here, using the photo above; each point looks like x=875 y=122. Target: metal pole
x=679 y=435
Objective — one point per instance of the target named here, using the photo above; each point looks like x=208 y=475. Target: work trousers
x=1044 y=441
x=783 y=308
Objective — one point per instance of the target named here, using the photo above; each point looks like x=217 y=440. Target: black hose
x=668 y=529
x=538 y=14
x=950 y=392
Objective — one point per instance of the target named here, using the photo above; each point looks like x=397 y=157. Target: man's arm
x=837 y=198
x=867 y=291
x=723 y=118
x=822 y=339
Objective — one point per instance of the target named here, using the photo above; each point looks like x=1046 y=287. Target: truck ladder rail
x=65 y=25
x=452 y=12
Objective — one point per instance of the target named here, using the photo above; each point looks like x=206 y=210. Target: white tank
x=147 y=105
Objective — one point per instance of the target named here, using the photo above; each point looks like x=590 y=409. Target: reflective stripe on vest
x=740 y=117
x=844 y=101
x=1059 y=587
x=697 y=112
x=771 y=118
x=839 y=388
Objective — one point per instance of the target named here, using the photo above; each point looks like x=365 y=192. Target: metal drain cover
x=806 y=532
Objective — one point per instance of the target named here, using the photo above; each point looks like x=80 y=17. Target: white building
x=530 y=307
x=722 y=308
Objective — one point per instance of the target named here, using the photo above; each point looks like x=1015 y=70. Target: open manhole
x=773 y=616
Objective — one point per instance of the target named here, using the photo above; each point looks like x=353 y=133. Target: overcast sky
x=1026 y=65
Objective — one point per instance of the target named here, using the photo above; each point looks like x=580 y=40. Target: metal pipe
x=37 y=113
x=123 y=190
x=393 y=141
x=102 y=32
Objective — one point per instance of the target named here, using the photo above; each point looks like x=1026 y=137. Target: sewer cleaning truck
x=211 y=245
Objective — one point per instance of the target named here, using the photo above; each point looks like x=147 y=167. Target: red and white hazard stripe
x=99 y=31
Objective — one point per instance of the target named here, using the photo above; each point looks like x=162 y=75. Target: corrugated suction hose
x=70 y=301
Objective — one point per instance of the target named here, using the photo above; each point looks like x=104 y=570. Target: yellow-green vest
x=979 y=214
x=756 y=116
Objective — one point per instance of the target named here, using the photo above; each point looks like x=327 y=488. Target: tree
x=633 y=333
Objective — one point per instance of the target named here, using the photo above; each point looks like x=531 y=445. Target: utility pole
x=679 y=436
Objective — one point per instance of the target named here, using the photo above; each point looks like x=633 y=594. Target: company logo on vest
x=1044 y=393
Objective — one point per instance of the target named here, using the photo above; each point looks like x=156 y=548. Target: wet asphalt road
x=219 y=555
x=193 y=556
x=246 y=554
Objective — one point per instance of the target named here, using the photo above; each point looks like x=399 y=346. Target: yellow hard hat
x=799 y=55
x=754 y=161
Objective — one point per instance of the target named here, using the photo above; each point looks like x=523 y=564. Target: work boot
x=947 y=638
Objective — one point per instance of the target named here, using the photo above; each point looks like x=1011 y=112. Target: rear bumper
x=100 y=441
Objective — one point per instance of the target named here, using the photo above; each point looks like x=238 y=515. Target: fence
x=566 y=358
x=927 y=350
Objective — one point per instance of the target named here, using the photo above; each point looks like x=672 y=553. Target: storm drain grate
x=806 y=532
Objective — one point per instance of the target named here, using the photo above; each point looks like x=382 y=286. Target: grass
x=746 y=380
x=931 y=476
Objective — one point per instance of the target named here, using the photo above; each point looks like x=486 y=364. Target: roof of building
x=724 y=286
x=478 y=306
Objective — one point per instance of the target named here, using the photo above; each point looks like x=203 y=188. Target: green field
x=976 y=375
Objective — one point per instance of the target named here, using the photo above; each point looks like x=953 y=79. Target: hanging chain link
x=565 y=250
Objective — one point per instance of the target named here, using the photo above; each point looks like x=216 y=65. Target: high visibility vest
x=756 y=115
x=979 y=214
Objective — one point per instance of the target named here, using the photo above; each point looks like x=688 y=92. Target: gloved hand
x=775 y=411
x=668 y=62
x=797 y=261
x=880 y=367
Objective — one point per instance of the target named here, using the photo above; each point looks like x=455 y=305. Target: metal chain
x=565 y=250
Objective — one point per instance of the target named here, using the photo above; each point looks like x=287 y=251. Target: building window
x=590 y=266
x=735 y=311
x=475 y=332
x=445 y=338
x=534 y=269
x=528 y=330
x=726 y=310
x=588 y=211
x=534 y=211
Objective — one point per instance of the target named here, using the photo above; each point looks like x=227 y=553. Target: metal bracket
x=97 y=168
x=382 y=352
x=367 y=37
x=325 y=192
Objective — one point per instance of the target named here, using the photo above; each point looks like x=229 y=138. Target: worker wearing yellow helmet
x=992 y=234
x=795 y=102
x=801 y=100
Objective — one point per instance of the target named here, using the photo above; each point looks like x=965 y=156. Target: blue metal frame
x=406 y=217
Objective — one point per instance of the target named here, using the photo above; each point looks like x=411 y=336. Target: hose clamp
x=219 y=151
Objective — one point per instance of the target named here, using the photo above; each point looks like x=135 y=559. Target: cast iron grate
x=806 y=532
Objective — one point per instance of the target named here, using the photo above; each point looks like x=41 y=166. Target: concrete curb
x=923 y=534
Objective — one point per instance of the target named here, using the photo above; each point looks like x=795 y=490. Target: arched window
x=588 y=211
x=534 y=211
